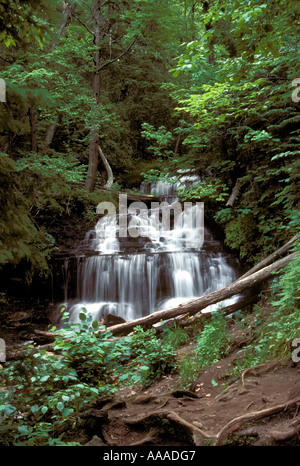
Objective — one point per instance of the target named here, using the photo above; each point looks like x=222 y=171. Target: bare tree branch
x=83 y=24
x=117 y=58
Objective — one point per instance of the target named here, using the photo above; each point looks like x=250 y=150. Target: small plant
x=213 y=342
x=157 y=358
x=272 y=335
x=175 y=337
x=189 y=368
x=211 y=346
x=160 y=138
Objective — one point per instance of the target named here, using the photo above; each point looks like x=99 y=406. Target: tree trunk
x=110 y=176
x=275 y=255
x=68 y=10
x=211 y=41
x=182 y=321
x=177 y=144
x=32 y=122
x=196 y=305
x=51 y=132
x=235 y=193
x=94 y=137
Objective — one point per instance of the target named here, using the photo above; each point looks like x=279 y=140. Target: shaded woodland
x=101 y=96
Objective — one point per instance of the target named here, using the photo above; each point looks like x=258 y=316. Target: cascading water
x=154 y=268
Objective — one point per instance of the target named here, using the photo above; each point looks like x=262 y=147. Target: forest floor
x=259 y=407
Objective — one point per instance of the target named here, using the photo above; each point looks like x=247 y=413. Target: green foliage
x=211 y=345
x=44 y=393
x=286 y=289
x=21 y=21
x=153 y=175
x=175 y=337
x=188 y=371
x=241 y=121
x=213 y=342
x=54 y=165
x=271 y=339
x=20 y=238
x=161 y=140
x=55 y=85
x=157 y=358
x=206 y=190
x=272 y=335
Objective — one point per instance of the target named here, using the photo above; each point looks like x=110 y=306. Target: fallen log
x=274 y=256
x=227 y=310
x=133 y=196
x=194 y=306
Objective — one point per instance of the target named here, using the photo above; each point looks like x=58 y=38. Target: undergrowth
x=43 y=393
x=211 y=345
x=273 y=335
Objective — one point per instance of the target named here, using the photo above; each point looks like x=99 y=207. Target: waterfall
x=154 y=268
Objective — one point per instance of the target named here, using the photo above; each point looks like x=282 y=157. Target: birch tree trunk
x=110 y=176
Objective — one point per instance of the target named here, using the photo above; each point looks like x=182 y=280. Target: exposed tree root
x=236 y=423
x=267 y=367
x=177 y=422
x=150 y=439
x=172 y=416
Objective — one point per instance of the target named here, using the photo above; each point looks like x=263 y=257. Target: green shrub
x=44 y=392
x=188 y=370
x=157 y=358
x=175 y=337
x=213 y=342
x=272 y=337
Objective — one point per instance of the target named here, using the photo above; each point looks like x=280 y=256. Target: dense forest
x=100 y=96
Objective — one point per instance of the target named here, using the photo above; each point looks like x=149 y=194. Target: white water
x=152 y=269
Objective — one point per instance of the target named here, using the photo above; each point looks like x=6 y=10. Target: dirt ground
x=259 y=407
